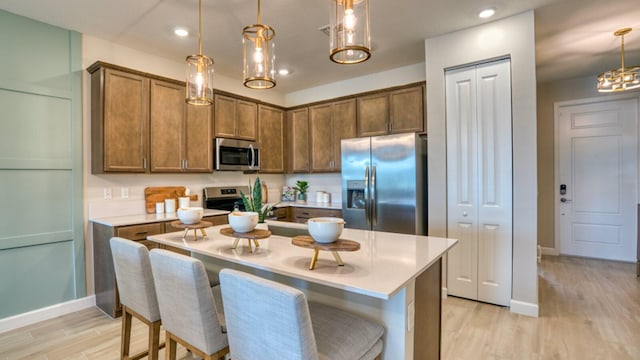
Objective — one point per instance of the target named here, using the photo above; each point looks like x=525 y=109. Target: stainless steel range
x=223 y=197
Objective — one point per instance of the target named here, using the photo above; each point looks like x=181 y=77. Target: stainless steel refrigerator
x=384 y=183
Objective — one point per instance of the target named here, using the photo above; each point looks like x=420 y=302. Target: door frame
x=556 y=156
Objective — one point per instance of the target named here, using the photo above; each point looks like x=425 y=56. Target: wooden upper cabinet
x=391 y=112
x=235 y=118
x=298 y=140
x=329 y=124
x=119 y=121
x=180 y=133
x=167 y=126
x=271 y=139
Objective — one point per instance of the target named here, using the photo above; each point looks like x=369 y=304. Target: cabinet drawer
x=217 y=220
x=139 y=232
x=301 y=215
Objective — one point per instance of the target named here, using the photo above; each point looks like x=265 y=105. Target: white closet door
x=479 y=179
x=462 y=273
x=495 y=176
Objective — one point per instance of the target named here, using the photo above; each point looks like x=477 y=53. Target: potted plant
x=302 y=187
x=254 y=201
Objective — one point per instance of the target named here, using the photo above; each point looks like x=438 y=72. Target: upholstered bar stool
x=187 y=305
x=137 y=294
x=269 y=320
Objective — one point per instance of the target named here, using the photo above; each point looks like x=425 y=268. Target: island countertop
x=385 y=263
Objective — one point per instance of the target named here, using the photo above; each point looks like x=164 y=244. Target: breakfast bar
x=394 y=279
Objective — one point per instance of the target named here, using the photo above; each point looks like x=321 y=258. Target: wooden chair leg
x=125 y=333
x=170 y=348
x=154 y=340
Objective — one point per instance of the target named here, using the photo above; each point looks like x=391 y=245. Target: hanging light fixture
x=258 y=53
x=199 y=72
x=624 y=78
x=349 y=31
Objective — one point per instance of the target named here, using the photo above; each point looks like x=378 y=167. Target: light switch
x=124 y=193
x=107 y=193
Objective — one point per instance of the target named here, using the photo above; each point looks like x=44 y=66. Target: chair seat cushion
x=341 y=335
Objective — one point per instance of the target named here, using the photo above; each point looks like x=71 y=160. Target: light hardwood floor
x=590 y=309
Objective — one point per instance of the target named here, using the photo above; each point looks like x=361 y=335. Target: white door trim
x=556 y=155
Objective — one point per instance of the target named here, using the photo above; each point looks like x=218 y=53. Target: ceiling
x=574 y=38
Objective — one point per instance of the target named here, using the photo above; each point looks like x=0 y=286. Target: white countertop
x=310 y=204
x=147 y=218
x=385 y=263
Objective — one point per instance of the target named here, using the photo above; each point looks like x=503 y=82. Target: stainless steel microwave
x=239 y=155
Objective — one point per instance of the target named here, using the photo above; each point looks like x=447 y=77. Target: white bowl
x=190 y=215
x=243 y=221
x=325 y=229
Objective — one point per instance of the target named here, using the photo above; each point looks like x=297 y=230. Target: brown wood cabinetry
x=119 y=120
x=328 y=124
x=392 y=112
x=298 y=140
x=271 y=139
x=235 y=118
x=180 y=133
x=106 y=290
x=303 y=214
x=283 y=214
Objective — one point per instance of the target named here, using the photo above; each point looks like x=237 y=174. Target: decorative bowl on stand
x=243 y=221
x=190 y=215
x=325 y=229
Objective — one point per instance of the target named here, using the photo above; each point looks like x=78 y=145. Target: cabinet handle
x=140 y=233
x=390 y=127
x=185 y=164
x=144 y=163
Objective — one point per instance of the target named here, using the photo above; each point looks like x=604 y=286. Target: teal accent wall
x=41 y=220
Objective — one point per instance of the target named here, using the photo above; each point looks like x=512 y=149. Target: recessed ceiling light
x=486 y=13
x=283 y=72
x=182 y=32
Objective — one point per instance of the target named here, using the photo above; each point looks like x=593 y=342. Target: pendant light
x=258 y=53
x=199 y=72
x=624 y=78
x=349 y=31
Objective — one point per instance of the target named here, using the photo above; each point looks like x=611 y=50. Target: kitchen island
x=394 y=279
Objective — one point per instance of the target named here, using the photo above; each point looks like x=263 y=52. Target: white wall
x=514 y=37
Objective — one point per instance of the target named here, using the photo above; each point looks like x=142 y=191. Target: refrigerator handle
x=366 y=195
x=374 y=212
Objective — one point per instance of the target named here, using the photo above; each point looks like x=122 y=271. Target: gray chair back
x=134 y=277
x=265 y=319
x=186 y=301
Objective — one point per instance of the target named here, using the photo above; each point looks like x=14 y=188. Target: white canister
x=170 y=205
x=184 y=202
x=319 y=196
x=326 y=197
x=159 y=208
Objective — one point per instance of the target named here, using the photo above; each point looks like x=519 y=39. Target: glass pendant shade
x=258 y=53
x=349 y=31
x=199 y=85
x=199 y=80
x=624 y=78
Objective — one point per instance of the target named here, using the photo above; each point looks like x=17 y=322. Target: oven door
x=233 y=154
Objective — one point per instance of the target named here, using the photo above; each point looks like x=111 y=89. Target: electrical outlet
x=124 y=193
x=107 y=193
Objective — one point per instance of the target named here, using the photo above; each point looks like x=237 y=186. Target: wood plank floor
x=590 y=309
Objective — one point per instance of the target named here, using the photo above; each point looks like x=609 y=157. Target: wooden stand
x=254 y=235
x=306 y=241
x=199 y=225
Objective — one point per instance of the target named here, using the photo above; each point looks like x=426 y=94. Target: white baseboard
x=524 y=308
x=444 y=293
x=49 y=312
x=550 y=251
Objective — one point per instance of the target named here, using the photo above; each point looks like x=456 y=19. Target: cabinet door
x=271 y=139
x=246 y=120
x=321 y=138
x=406 y=111
x=344 y=127
x=299 y=140
x=373 y=115
x=198 y=144
x=126 y=121
x=167 y=126
x=225 y=116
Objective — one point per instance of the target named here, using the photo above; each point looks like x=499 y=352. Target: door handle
x=374 y=205
x=367 y=201
x=565 y=200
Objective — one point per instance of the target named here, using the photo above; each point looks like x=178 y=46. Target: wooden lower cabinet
x=302 y=214
x=107 y=298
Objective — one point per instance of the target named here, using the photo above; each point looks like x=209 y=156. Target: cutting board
x=152 y=195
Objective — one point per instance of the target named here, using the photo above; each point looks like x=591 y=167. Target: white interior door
x=597 y=162
x=479 y=182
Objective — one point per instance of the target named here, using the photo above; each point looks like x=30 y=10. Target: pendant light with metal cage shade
x=349 y=31
x=258 y=53
x=624 y=78
x=199 y=72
